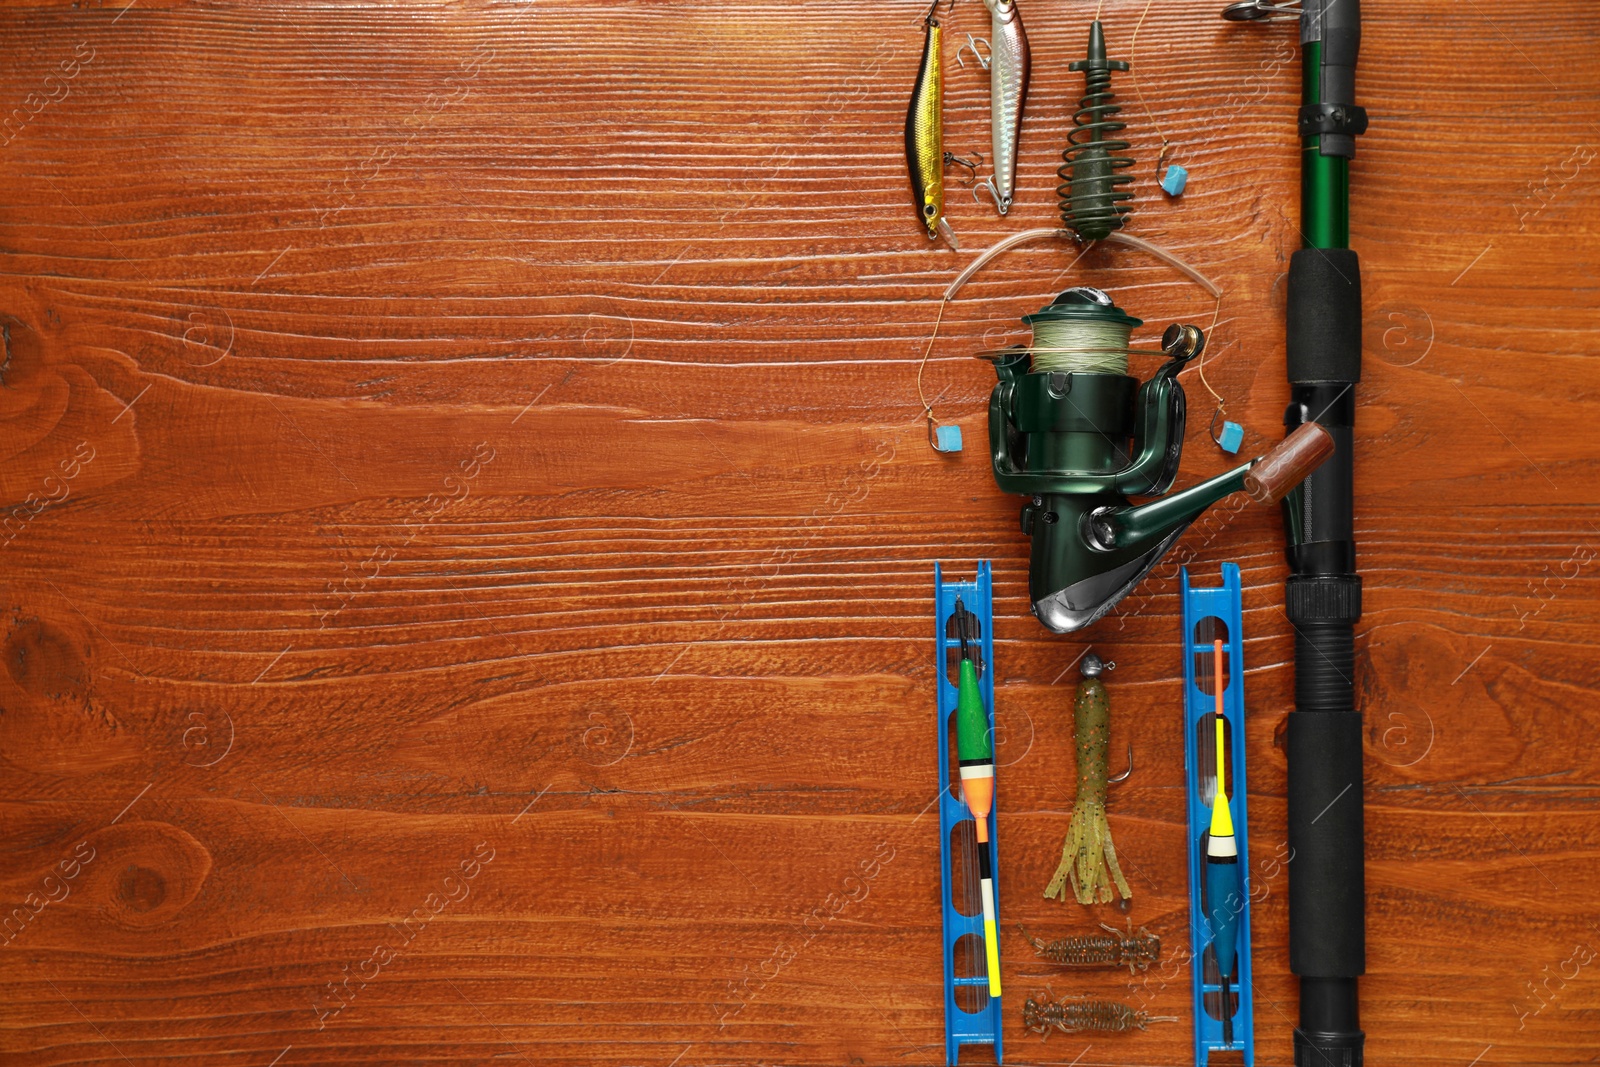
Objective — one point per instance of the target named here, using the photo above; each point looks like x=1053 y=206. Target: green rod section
x=1324 y=180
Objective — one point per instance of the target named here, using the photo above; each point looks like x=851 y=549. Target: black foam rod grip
x=1324 y=315
x=1327 y=886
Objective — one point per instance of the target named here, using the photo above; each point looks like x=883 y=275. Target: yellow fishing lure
x=925 y=156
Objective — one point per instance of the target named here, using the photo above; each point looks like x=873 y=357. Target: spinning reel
x=1072 y=430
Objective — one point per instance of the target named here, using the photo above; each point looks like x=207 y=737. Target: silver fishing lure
x=1008 y=91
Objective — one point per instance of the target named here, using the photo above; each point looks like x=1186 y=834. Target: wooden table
x=470 y=530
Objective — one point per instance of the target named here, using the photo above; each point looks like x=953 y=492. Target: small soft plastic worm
x=1110 y=949
x=1076 y=1014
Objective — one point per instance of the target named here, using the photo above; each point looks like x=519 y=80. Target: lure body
x=1110 y=949
x=1080 y=1013
x=1088 y=857
x=925 y=136
x=1091 y=723
x=1008 y=91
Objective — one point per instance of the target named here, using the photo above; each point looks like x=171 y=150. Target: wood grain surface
x=469 y=528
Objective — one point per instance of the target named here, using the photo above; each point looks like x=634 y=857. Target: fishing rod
x=1327 y=890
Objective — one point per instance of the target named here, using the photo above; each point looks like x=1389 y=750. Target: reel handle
x=1272 y=476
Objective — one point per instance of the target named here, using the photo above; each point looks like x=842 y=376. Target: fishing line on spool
x=1091 y=347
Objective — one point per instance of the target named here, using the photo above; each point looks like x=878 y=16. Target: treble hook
x=933 y=10
x=972 y=45
x=1123 y=777
x=1001 y=203
x=972 y=165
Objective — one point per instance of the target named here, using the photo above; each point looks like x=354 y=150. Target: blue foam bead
x=1175 y=180
x=948 y=438
x=1232 y=437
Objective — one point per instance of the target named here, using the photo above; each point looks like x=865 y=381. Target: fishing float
x=975 y=756
x=1223 y=880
